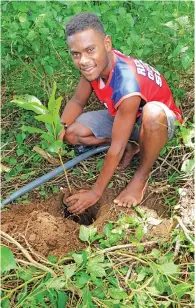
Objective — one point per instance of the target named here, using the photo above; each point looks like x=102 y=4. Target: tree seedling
x=50 y=117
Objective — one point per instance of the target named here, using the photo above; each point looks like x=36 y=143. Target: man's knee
x=76 y=132
x=154 y=118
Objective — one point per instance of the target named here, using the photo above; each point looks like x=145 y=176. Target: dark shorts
x=100 y=123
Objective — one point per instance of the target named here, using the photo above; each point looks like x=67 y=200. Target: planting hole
x=86 y=218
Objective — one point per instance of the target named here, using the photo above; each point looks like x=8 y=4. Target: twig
x=26 y=254
x=185 y=230
x=124 y=246
x=129 y=271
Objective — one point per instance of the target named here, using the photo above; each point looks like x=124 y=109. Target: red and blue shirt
x=130 y=77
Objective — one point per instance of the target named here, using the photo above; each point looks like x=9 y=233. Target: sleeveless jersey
x=130 y=77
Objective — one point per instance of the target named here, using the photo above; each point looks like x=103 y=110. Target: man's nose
x=83 y=60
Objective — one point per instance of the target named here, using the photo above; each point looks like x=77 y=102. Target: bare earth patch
x=43 y=226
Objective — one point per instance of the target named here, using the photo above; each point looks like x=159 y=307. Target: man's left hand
x=82 y=200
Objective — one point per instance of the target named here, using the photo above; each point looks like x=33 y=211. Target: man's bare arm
x=122 y=129
x=76 y=104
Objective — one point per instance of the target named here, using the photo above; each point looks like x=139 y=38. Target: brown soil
x=49 y=233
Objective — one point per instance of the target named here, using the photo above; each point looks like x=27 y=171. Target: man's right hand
x=62 y=134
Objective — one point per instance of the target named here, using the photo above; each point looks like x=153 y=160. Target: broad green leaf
x=49 y=69
x=95 y=266
x=57 y=283
x=87 y=298
x=139 y=232
x=52 y=259
x=107 y=229
x=48 y=138
x=113 y=281
x=62 y=299
x=32 y=130
x=97 y=269
x=69 y=270
x=188 y=165
x=24 y=274
x=56 y=110
x=7 y=259
x=153 y=290
x=99 y=293
x=168 y=268
x=116 y=293
x=78 y=258
x=6 y=303
x=58 y=126
x=82 y=280
x=46 y=118
x=56 y=146
x=30 y=102
x=181 y=289
x=51 y=103
x=86 y=233
x=22 y=18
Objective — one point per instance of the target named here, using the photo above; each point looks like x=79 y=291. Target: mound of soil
x=44 y=227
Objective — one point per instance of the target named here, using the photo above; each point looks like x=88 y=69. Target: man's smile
x=88 y=70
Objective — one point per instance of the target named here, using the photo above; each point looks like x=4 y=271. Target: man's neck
x=105 y=74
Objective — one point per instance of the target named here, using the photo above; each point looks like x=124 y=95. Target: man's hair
x=83 y=21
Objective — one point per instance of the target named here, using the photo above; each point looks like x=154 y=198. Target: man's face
x=90 y=52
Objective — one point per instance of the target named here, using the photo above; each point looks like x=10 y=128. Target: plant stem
x=65 y=172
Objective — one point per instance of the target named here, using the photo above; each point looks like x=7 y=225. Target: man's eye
x=75 y=54
x=90 y=49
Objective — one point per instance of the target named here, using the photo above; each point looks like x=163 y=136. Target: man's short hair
x=84 y=21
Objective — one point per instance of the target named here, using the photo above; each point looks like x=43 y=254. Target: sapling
x=50 y=117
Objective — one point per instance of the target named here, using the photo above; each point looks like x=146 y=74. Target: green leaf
x=181 y=289
x=52 y=259
x=56 y=110
x=100 y=164
x=110 y=185
x=22 y=18
x=6 y=303
x=95 y=266
x=46 y=118
x=168 y=268
x=113 y=281
x=62 y=299
x=99 y=293
x=69 y=270
x=24 y=274
x=139 y=232
x=57 y=283
x=82 y=280
x=30 y=102
x=32 y=130
x=7 y=259
x=56 y=146
x=48 y=69
x=87 y=298
x=188 y=165
x=86 y=233
x=186 y=60
x=78 y=258
x=51 y=103
x=116 y=293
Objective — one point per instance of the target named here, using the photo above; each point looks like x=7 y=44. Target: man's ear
x=108 y=43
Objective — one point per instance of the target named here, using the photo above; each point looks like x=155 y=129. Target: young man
x=139 y=104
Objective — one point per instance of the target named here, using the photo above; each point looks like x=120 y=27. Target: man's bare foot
x=130 y=151
x=133 y=194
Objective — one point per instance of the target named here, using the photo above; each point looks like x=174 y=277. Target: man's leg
x=153 y=137
x=78 y=134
